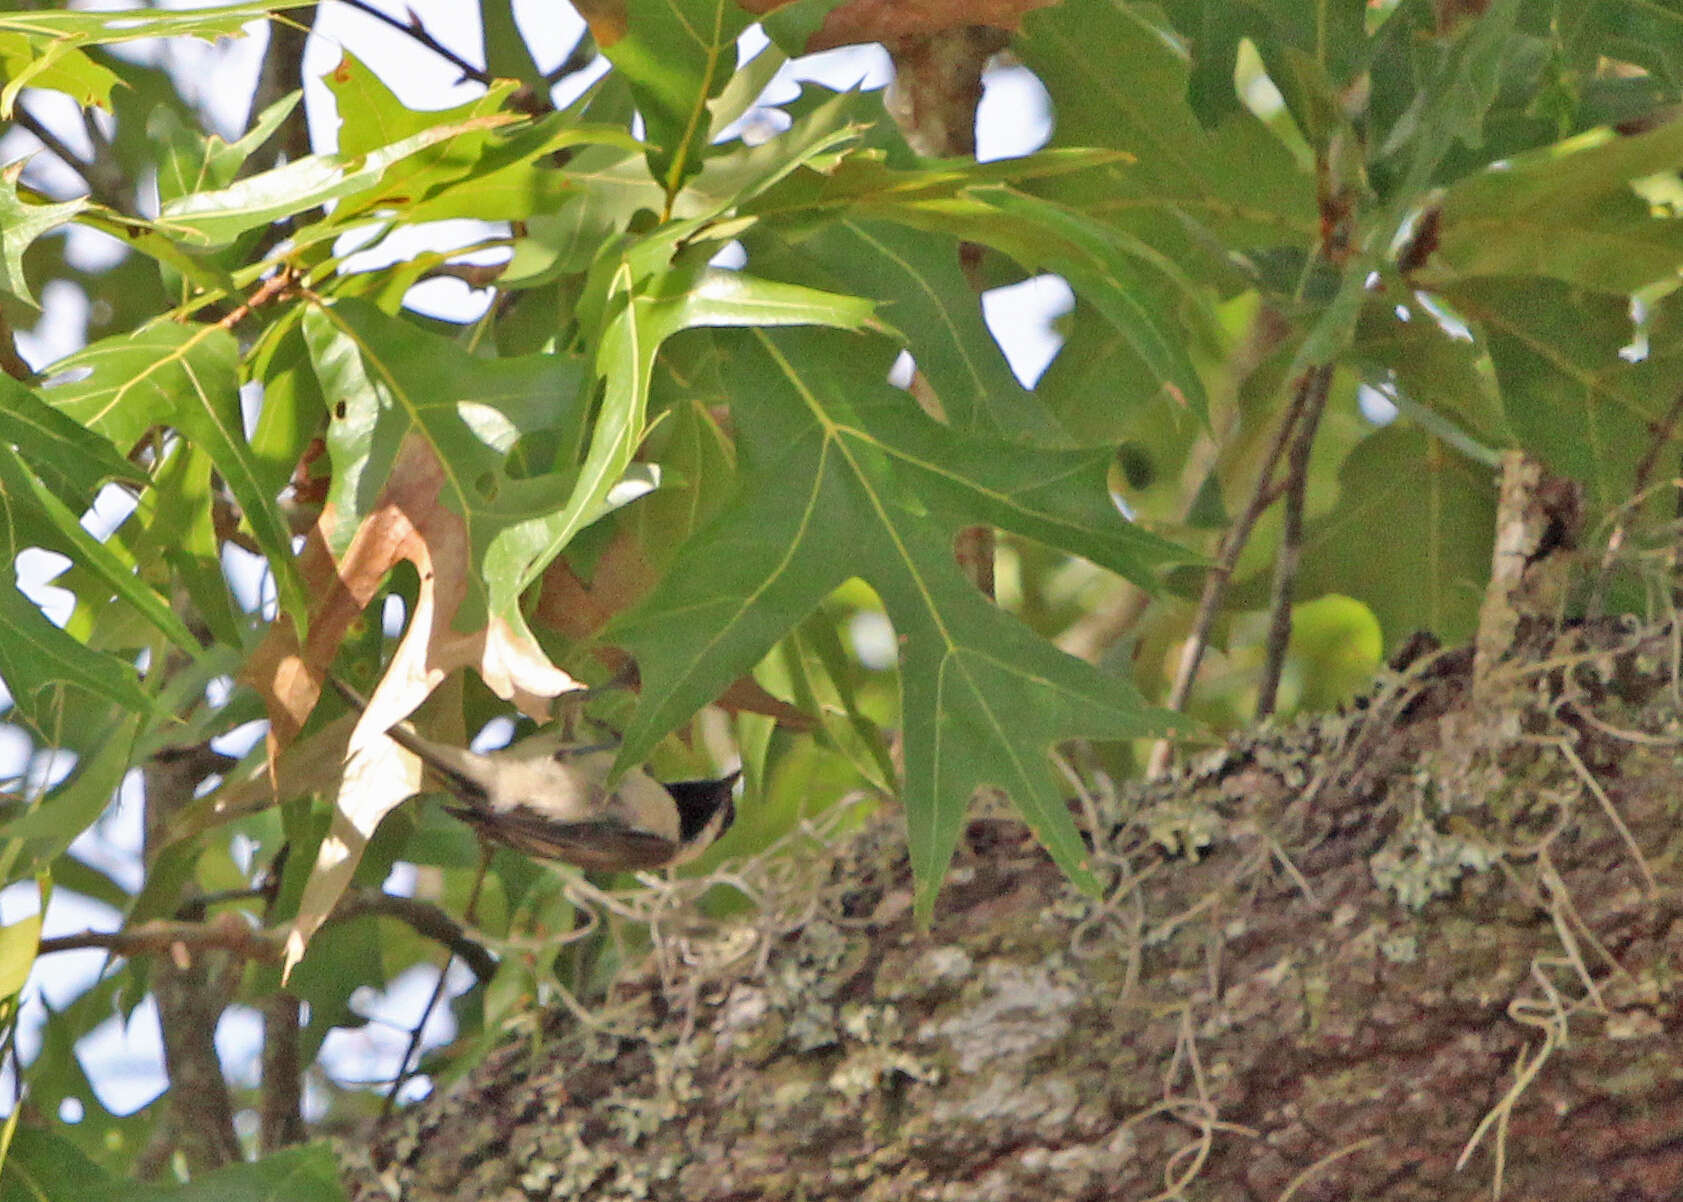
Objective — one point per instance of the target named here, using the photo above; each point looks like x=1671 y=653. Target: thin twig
x=1661 y=433
x=425 y=919
x=578 y=58
x=1215 y=584
x=416 y=30
x=45 y=136
x=1317 y=383
x=401 y=1077
x=165 y=937
x=61 y=151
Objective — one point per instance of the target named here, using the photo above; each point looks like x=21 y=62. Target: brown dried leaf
x=408 y=522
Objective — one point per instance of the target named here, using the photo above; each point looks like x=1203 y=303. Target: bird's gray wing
x=593 y=843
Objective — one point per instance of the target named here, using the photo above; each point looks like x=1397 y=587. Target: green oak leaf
x=1450 y=102
x=187 y=377
x=1570 y=397
x=88 y=27
x=1118 y=83
x=1567 y=211
x=647 y=304
x=21 y=224
x=1308 y=51
x=678 y=55
x=189 y=160
x=921 y=288
x=841 y=475
x=39 y=518
x=1437 y=509
x=37 y=657
x=213 y=219
x=72 y=460
x=392 y=379
x=54 y=64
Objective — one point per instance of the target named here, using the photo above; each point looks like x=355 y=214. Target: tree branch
x=231 y=933
x=1316 y=383
x=1215 y=584
x=280 y=1108
x=413 y=28
x=60 y=149
x=424 y=919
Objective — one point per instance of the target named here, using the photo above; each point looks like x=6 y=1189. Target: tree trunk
x=1425 y=949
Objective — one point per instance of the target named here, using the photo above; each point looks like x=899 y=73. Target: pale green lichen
x=1011 y=1011
x=1182 y=827
x=1400 y=949
x=1421 y=862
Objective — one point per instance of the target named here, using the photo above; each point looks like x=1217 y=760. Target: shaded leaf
x=72 y=460
x=842 y=475
x=649 y=310
x=42 y=520
x=1567 y=212
x=37 y=658
x=186 y=377
x=678 y=55
x=1568 y=395
x=1116 y=82
x=1452 y=98
x=1437 y=510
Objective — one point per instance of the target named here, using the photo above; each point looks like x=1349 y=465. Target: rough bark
x=1413 y=951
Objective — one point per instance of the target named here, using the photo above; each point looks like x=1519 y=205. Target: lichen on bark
x=1254 y=1009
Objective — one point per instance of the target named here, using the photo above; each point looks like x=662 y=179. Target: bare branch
x=425 y=919
x=413 y=28
x=280 y=1109
x=179 y=940
x=1215 y=584
x=1316 y=383
x=232 y=933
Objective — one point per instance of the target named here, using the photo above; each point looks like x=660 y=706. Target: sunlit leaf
x=213 y=219
x=71 y=459
x=21 y=224
x=186 y=377
x=678 y=54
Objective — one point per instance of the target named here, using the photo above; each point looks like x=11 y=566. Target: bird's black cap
x=699 y=800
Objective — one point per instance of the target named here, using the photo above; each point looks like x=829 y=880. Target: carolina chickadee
x=548 y=798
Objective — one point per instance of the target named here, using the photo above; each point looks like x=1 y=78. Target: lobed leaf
x=839 y=474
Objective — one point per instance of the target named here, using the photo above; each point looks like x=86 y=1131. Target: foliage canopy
x=671 y=435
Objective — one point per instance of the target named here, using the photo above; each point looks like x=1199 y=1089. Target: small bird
x=549 y=797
